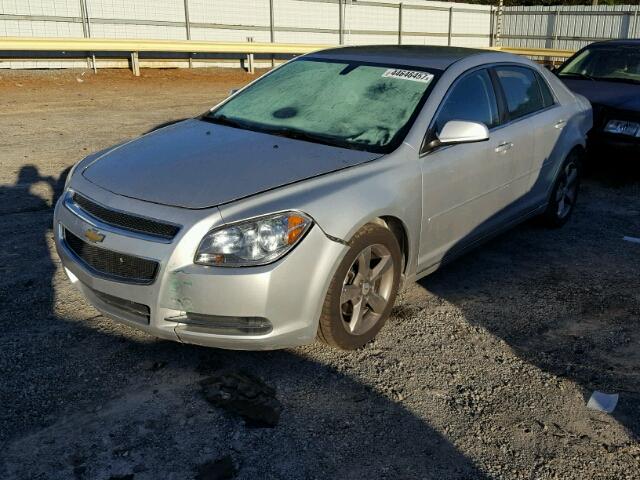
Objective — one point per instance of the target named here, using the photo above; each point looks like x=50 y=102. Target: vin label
x=412 y=75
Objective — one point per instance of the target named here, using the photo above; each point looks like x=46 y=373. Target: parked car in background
x=608 y=74
x=296 y=207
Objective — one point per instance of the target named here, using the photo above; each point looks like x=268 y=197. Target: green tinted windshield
x=353 y=105
x=618 y=64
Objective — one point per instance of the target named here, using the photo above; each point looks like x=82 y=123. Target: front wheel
x=363 y=289
x=564 y=193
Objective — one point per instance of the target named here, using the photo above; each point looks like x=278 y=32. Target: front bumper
x=288 y=293
x=625 y=146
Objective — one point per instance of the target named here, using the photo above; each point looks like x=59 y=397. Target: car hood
x=196 y=164
x=622 y=96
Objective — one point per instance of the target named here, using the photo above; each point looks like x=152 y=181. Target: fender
x=388 y=186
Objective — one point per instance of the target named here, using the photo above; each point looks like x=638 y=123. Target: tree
x=513 y=3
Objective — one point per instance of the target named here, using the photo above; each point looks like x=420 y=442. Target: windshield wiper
x=618 y=79
x=294 y=133
x=224 y=120
x=281 y=131
x=577 y=74
x=309 y=137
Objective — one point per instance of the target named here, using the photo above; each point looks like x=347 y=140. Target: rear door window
x=547 y=96
x=521 y=90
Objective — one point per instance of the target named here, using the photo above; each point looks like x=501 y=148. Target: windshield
x=612 y=64
x=352 y=105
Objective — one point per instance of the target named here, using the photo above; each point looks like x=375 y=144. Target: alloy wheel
x=366 y=289
x=567 y=190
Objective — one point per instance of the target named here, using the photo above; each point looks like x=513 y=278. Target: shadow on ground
x=569 y=308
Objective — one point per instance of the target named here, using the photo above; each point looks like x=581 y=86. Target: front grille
x=141 y=313
x=126 y=220
x=119 y=266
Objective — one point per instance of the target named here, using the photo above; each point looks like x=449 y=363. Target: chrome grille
x=126 y=220
x=114 y=265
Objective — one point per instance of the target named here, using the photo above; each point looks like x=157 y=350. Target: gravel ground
x=483 y=370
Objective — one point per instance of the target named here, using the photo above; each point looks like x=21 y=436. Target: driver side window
x=473 y=99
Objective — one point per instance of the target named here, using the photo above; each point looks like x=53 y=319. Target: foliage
x=513 y=3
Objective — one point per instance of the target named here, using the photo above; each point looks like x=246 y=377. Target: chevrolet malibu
x=297 y=207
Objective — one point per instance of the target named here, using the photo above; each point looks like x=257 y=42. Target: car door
x=531 y=127
x=549 y=125
x=464 y=185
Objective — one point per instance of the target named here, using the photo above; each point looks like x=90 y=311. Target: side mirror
x=458 y=131
x=233 y=91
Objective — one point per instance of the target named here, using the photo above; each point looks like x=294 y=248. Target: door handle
x=560 y=124
x=504 y=147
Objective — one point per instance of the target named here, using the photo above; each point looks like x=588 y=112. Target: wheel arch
x=399 y=230
x=577 y=148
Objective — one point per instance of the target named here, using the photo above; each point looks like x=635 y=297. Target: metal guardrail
x=132 y=47
x=536 y=52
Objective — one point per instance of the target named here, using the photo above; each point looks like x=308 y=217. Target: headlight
x=257 y=241
x=623 y=127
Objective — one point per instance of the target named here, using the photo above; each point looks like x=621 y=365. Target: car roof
x=425 y=56
x=627 y=42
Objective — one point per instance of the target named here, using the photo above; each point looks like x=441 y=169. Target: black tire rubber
x=330 y=328
x=550 y=217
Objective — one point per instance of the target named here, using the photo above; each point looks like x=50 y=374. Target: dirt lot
x=483 y=371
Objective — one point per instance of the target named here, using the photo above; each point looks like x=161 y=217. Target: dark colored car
x=608 y=74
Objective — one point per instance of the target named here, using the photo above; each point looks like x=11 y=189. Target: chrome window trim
x=525 y=117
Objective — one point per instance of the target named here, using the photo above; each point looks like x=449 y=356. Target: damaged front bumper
x=253 y=308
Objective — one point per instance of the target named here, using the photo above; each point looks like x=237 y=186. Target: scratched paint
x=179 y=289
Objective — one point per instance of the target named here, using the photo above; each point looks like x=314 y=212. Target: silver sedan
x=296 y=208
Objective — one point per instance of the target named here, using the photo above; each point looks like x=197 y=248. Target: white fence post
x=400 y=23
x=187 y=27
x=491 y=19
x=272 y=32
x=86 y=32
x=250 y=64
x=340 y=22
x=135 y=64
x=556 y=18
x=450 y=29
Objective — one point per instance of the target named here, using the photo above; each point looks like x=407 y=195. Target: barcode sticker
x=412 y=75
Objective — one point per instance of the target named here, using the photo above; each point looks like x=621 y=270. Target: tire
x=564 y=193
x=359 y=300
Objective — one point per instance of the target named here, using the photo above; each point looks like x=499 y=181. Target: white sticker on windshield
x=412 y=75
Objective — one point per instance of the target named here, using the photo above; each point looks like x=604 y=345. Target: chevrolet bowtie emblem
x=93 y=235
